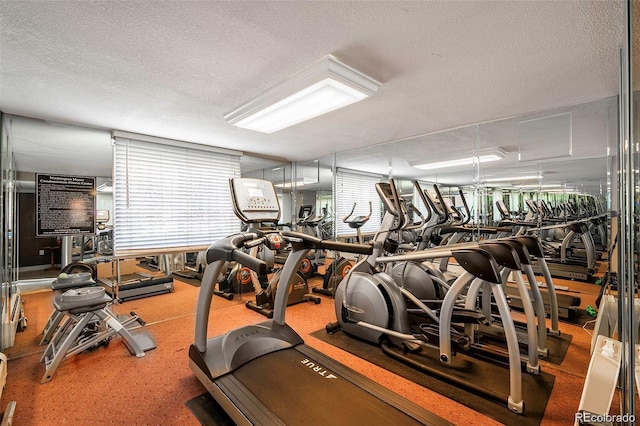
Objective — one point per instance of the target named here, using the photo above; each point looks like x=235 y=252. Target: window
x=171 y=197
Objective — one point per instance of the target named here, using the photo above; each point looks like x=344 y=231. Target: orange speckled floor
x=109 y=386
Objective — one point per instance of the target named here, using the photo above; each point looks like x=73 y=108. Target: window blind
x=170 y=198
x=356 y=187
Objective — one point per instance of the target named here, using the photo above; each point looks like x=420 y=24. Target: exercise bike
x=237 y=277
x=338 y=269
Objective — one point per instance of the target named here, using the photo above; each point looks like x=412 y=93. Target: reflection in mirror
x=312 y=200
x=9 y=294
x=314 y=197
x=550 y=150
x=543 y=168
x=557 y=166
x=277 y=171
x=238 y=279
x=40 y=146
x=629 y=191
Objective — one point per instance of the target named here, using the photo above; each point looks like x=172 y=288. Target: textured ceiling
x=174 y=68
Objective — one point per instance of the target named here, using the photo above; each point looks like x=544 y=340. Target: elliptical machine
x=338 y=269
x=369 y=305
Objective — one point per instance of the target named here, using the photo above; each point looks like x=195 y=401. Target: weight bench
x=88 y=324
x=61 y=284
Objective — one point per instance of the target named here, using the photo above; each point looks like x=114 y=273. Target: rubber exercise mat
x=558 y=346
x=208 y=411
x=581 y=317
x=145 y=265
x=193 y=281
x=536 y=389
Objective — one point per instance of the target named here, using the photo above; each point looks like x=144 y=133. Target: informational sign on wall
x=65 y=205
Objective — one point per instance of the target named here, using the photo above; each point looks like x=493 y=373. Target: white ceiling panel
x=173 y=69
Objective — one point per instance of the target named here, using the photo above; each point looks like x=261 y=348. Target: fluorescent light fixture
x=325 y=86
x=105 y=187
x=563 y=191
x=546 y=185
x=482 y=156
x=512 y=178
x=300 y=182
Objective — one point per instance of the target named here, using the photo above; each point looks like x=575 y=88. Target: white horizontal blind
x=170 y=198
x=356 y=187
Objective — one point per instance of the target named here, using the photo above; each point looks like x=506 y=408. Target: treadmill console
x=254 y=200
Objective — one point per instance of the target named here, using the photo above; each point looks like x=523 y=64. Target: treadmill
x=138 y=285
x=264 y=373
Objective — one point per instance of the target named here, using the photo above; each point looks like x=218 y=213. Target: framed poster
x=65 y=205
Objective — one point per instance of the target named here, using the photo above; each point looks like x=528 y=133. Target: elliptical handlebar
x=415 y=225
x=389 y=196
x=425 y=200
x=467 y=212
x=444 y=213
x=395 y=199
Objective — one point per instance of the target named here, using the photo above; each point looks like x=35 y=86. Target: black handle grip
x=445 y=211
x=250 y=262
x=467 y=212
x=425 y=202
x=225 y=249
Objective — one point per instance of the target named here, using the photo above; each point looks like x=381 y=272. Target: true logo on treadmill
x=318 y=369
x=245 y=335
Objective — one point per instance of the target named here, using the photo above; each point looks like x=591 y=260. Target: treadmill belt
x=137 y=280
x=297 y=378
x=208 y=412
x=189 y=277
x=536 y=389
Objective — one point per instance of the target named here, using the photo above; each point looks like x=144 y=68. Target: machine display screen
x=255 y=200
x=255 y=192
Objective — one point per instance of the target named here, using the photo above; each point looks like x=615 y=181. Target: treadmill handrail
x=228 y=249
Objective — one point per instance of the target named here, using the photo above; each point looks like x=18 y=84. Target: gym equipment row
x=405 y=313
